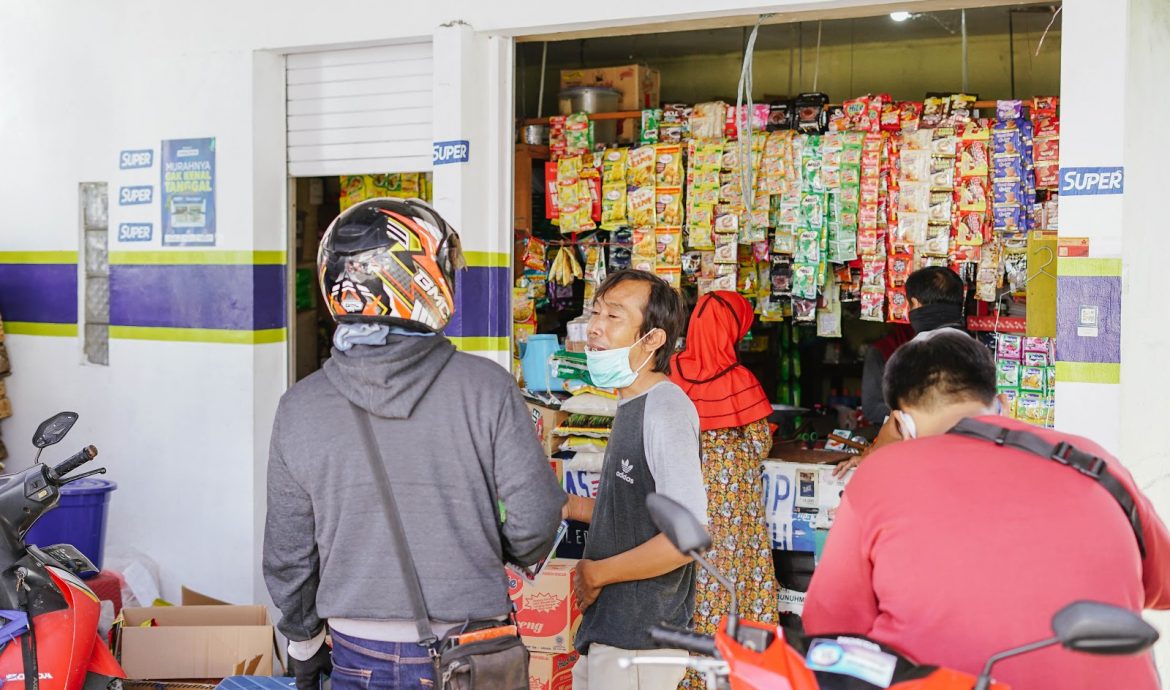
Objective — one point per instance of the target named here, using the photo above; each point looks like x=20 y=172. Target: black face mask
x=934 y=316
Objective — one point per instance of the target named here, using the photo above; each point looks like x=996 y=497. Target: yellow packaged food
x=668 y=165
x=614 y=166
x=641 y=167
x=613 y=205
x=669 y=206
x=353 y=190
x=641 y=207
x=668 y=246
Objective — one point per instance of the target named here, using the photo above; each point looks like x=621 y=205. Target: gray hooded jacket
x=447 y=424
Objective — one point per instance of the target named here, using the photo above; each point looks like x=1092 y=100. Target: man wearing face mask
x=936 y=297
x=631 y=576
x=966 y=539
x=936 y=301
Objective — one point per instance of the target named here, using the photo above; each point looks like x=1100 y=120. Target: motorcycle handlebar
x=677 y=638
x=77 y=460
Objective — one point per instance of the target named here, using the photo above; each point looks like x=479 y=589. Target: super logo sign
x=1086 y=181
x=134 y=196
x=130 y=160
x=446 y=152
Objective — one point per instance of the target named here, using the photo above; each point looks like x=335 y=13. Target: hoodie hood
x=389 y=380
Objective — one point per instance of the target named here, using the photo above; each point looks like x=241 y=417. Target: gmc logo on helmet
x=428 y=286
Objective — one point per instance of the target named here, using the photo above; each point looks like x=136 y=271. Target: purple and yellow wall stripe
x=38 y=293
x=483 y=309
x=215 y=296
x=198 y=296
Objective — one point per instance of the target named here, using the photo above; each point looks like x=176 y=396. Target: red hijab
x=725 y=393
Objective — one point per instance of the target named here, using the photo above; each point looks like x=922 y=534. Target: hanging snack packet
x=642 y=207
x=727 y=223
x=909 y=115
x=613 y=205
x=1007 y=373
x=578 y=134
x=641 y=167
x=804 y=310
x=900 y=267
x=804 y=281
x=707 y=120
x=873 y=304
x=808 y=248
x=725 y=249
x=668 y=247
x=1035 y=359
x=1009 y=110
x=934 y=110
x=899 y=305
x=970 y=230
x=781 y=276
x=811 y=117
x=614 y=164
x=1008 y=346
x=669 y=206
x=668 y=165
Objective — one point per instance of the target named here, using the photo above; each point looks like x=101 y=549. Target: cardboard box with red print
x=546 y=609
x=551 y=671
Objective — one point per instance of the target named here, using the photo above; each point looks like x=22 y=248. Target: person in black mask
x=936 y=295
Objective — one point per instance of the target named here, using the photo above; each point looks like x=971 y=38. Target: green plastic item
x=304 y=289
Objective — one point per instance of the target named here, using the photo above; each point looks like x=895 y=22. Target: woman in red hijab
x=733 y=412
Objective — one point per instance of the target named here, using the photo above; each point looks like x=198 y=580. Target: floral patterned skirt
x=741 y=548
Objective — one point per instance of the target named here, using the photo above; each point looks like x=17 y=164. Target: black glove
x=308 y=673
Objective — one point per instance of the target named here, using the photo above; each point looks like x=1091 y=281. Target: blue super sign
x=134 y=196
x=135 y=232
x=1086 y=181
x=445 y=152
x=141 y=158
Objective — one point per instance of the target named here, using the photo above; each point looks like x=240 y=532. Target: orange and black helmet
x=390 y=261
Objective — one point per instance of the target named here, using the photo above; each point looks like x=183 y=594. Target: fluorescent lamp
x=900 y=16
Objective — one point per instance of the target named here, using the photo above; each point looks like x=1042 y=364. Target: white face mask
x=907 y=426
x=611 y=368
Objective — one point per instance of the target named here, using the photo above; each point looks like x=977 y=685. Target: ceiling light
x=900 y=16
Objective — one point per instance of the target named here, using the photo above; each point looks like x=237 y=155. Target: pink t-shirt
x=951 y=549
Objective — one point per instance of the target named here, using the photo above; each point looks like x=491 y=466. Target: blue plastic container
x=534 y=361
x=79 y=519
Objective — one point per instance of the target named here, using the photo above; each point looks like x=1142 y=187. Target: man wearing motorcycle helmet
x=472 y=484
x=960 y=542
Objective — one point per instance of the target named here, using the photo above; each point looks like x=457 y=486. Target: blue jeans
x=369 y=665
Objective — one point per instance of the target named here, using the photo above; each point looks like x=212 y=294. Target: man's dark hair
x=941 y=366
x=662 y=310
x=935 y=285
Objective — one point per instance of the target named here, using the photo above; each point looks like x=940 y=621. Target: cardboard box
x=641 y=88
x=546 y=610
x=546 y=420
x=792 y=601
x=197 y=642
x=800 y=501
x=551 y=671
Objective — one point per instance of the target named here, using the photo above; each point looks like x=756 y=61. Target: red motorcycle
x=746 y=655
x=49 y=629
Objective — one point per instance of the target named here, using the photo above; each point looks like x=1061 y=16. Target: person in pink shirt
x=950 y=548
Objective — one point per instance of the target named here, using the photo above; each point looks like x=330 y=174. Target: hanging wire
x=817 y=64
x=1049 y=28
x=744 y=118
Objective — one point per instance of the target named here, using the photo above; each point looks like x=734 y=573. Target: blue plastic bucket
x=79 y=519
x=534 y=362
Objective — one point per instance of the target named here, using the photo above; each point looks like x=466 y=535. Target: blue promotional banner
x=1092 y=181
x=188 y=193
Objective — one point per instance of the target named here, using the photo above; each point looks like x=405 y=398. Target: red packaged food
x=899 y=305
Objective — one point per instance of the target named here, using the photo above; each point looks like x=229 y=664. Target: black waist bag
x=496 y=663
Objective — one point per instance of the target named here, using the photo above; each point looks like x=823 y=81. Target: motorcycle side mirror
x=53 y=429
x=1095 y=628
x=689 y=536
x=678 y=524
x=1089 y=627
